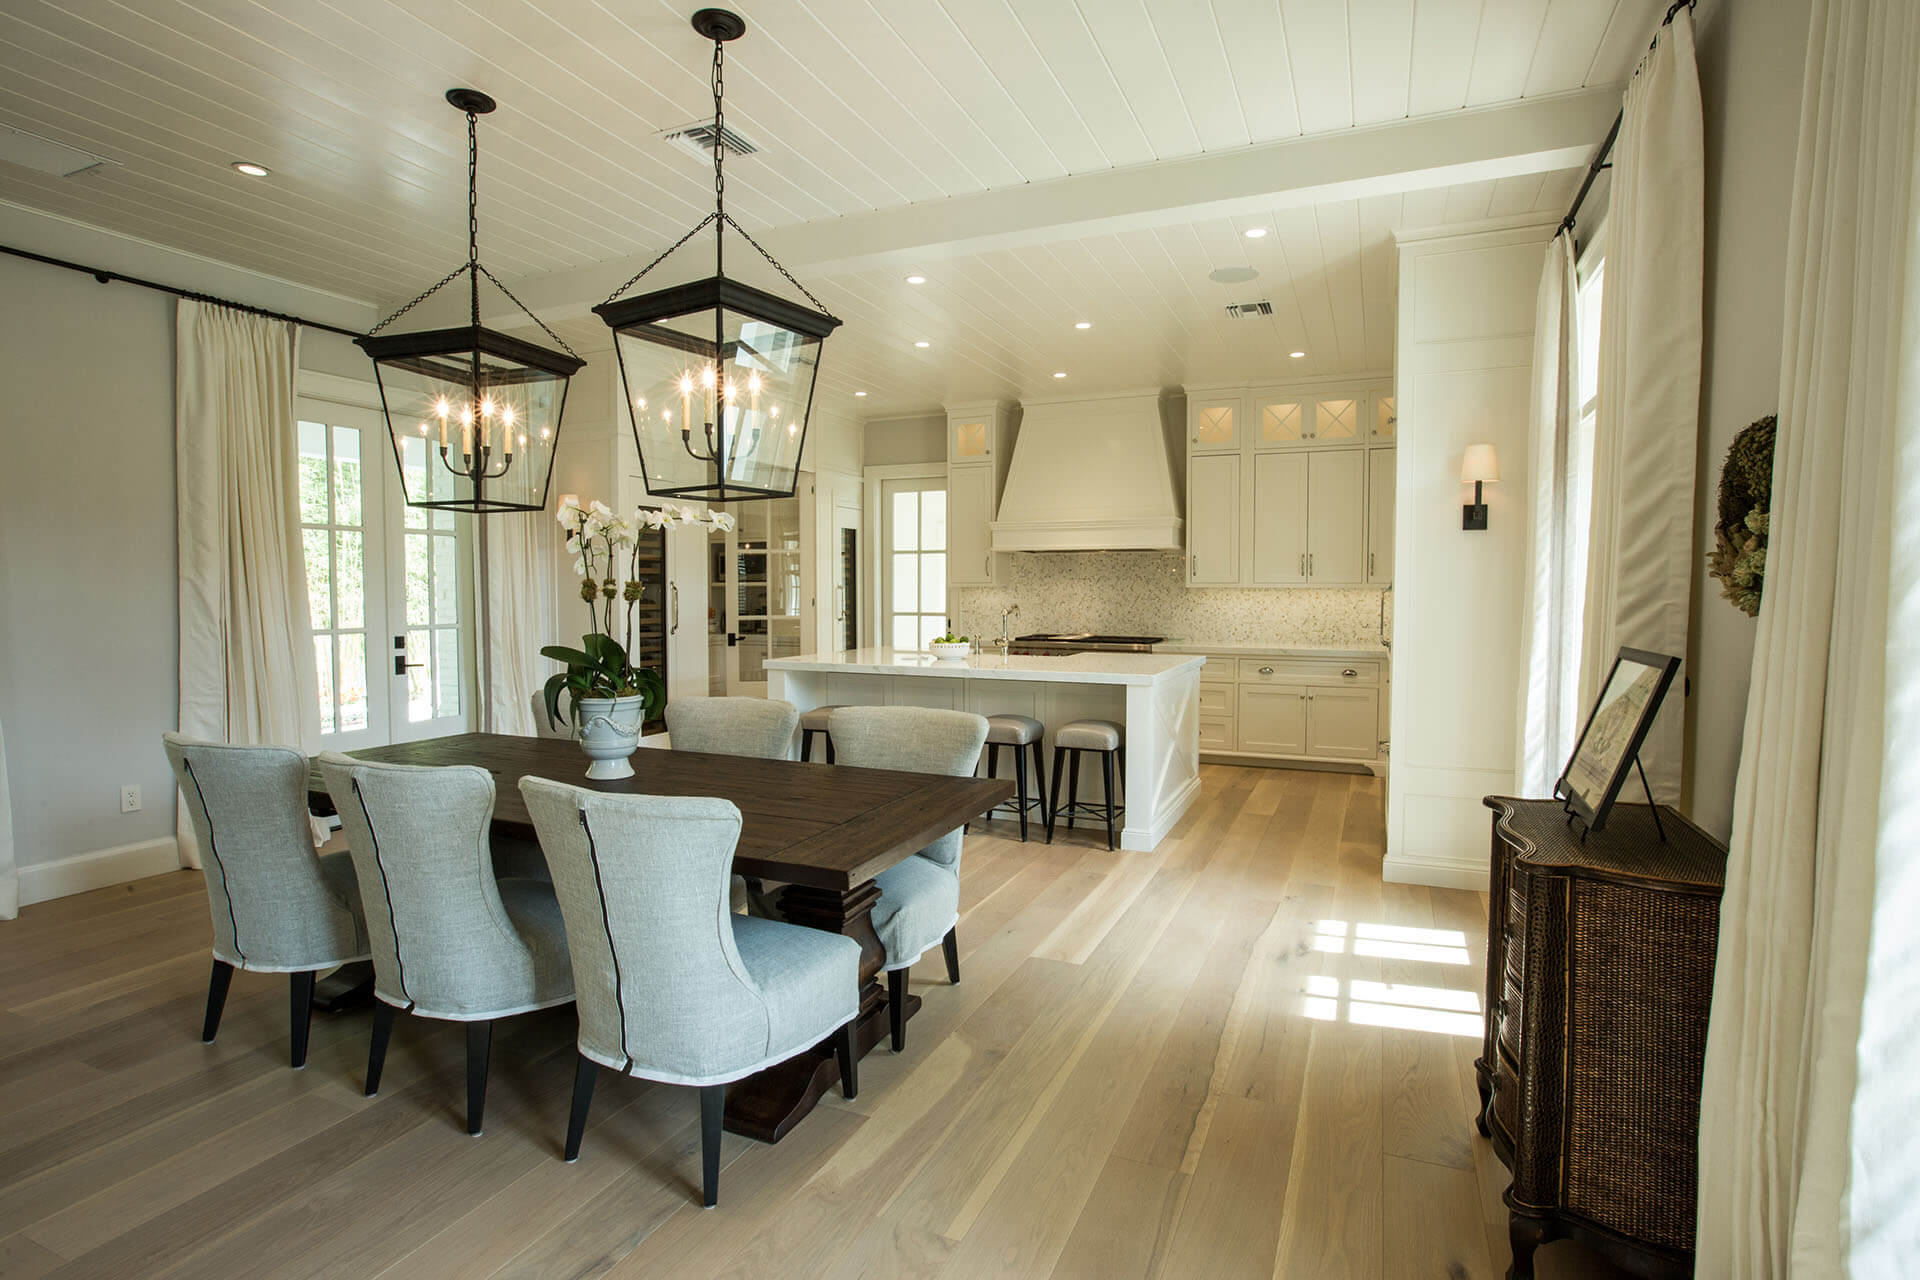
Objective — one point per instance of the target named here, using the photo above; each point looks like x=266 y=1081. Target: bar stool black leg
x=1122 y=753
x=1053 y=809
x=1040 y=788
x=1073 y=784
x=1106 y=768
x=1020 y=788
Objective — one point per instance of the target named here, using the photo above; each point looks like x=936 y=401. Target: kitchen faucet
x=1005 y=642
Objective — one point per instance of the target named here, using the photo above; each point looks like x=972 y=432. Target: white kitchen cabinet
x=1214 y=423
x=1336 y=521
x=970 y=509
x=979 y=446
x=1272 y=720
x=1386 y=418
x=1343 y=724
x=1380 y=463
x=1280 y=418
x=1336 y=419
x=1280 y=518
x=1213 y=520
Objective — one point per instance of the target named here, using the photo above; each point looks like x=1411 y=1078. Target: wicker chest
x=1599 y=973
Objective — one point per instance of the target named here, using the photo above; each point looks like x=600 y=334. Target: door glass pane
x=419 y=579
x=353 y=680
x=319 y=580
x=906 y=583
x=933 y=520
x=906 y=631
x=313 y=473
x=906 y=521
x=349 y=571
x=323 y=664
x=446 y=581
x=446 y=671
x=346 y=476
x=933 y=583
x=419 y=676
x=930 y=630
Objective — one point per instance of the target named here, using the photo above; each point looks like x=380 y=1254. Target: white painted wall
x=893 y=441
x=1464 y=360
x=1751 y=66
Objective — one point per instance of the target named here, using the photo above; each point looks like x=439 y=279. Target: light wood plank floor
x=1241 y=1055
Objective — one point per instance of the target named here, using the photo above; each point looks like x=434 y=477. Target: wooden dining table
x=824 y=831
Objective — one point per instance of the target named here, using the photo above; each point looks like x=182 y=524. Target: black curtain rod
x=1606 y=146
x=104 y=276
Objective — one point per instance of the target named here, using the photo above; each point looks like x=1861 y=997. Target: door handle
x=400 y=664
x=673 y=598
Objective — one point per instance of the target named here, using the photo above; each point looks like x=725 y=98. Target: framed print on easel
x=1609 y=745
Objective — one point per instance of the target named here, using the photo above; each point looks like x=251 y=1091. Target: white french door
x=765 y=590
x=913 y=574
x=389 y=587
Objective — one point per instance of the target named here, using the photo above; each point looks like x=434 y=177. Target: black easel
x=1567 y=804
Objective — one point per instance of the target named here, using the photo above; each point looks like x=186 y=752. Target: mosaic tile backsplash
x=1144 y=592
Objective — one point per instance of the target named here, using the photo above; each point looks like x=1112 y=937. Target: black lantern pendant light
x=719 y=375
x=474 y=414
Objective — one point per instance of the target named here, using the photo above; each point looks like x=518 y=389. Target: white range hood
x=1094 y=475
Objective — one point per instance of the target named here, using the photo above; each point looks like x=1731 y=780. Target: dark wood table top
x=825 y=826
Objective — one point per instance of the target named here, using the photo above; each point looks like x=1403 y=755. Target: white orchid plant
x=601 y=543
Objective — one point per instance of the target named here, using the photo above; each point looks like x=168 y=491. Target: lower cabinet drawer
x=1309 y=670
x=1216 y=733
x=1216 y=699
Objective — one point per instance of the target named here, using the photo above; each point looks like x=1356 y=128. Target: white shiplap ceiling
x=858 y=105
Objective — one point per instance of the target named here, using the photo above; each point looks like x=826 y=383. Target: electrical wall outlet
x=130 y=799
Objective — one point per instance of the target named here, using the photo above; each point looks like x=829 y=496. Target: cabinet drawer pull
x=1266 y=671
x=1303 y=564
x=1350 y=673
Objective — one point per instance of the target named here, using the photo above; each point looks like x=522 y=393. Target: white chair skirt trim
x=725 y=1077
x=421 y=1011
x=227 y=957
x=908 y=964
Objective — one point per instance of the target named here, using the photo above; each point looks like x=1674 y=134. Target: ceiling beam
x=1536 y=135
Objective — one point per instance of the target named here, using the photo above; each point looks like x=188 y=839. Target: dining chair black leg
x=713 y=1109
x=299 y=1013
x=1020 y=788
x=806 y=745
x=216 y=999
x=1106 y=769
x=847 y=1054
x=897 y=1008
x=383 y=1015
x=1040 y=786
x=1053 y=809
x=829 y=748
x=950 y=947
x=1073 y=784
x=479 y=1047
x=585 y=1072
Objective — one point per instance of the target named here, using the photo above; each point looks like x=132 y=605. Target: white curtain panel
x=1556 y=584
x=1808 y=1162
x=246 y=656
x=520 y=557
x=9 y=868
x=1641 y=557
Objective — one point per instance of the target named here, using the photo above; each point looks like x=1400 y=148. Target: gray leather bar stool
x=1105 y=739
x=812 y=722
x=1022 y=733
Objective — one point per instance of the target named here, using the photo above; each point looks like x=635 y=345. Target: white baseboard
x=44 y=881
x=1437 y=873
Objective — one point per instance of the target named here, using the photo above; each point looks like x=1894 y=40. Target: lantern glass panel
x=482 y=443
x=744 y=400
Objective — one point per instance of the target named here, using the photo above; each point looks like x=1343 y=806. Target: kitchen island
x=1154 y=697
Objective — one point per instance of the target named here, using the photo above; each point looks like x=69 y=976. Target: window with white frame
x=914 y=573
x=333 y=521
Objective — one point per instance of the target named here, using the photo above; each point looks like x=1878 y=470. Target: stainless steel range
x=1081 y=642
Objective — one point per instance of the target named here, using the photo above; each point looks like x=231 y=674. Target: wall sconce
x=1480 y=466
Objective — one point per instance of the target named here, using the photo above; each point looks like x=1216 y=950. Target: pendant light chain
x=719 y=153
x=473 y=215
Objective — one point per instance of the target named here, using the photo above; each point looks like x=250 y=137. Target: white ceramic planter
x=951 y=652
x=608 y=730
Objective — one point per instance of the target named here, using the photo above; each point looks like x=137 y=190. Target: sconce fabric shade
x=1481 y=465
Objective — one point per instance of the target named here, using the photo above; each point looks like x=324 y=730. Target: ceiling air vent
x=1241 y=310
x=698 y=138
x=31 y=151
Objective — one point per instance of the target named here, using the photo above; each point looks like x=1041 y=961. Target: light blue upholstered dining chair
x=450 y=940
x=919 y=896
x=758 y=727
x=277 y=907
x=672 y=985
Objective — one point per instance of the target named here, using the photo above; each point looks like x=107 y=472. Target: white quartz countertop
x=1252 y=650
x=1079 y=668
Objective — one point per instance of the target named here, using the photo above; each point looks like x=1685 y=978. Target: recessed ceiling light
x=859 y=393
x=1296 y=354
x=1254 y=233
x=251 y=169
x=916 y=279
x=923 y=343
x=1059 y=375
x=1083 y=324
